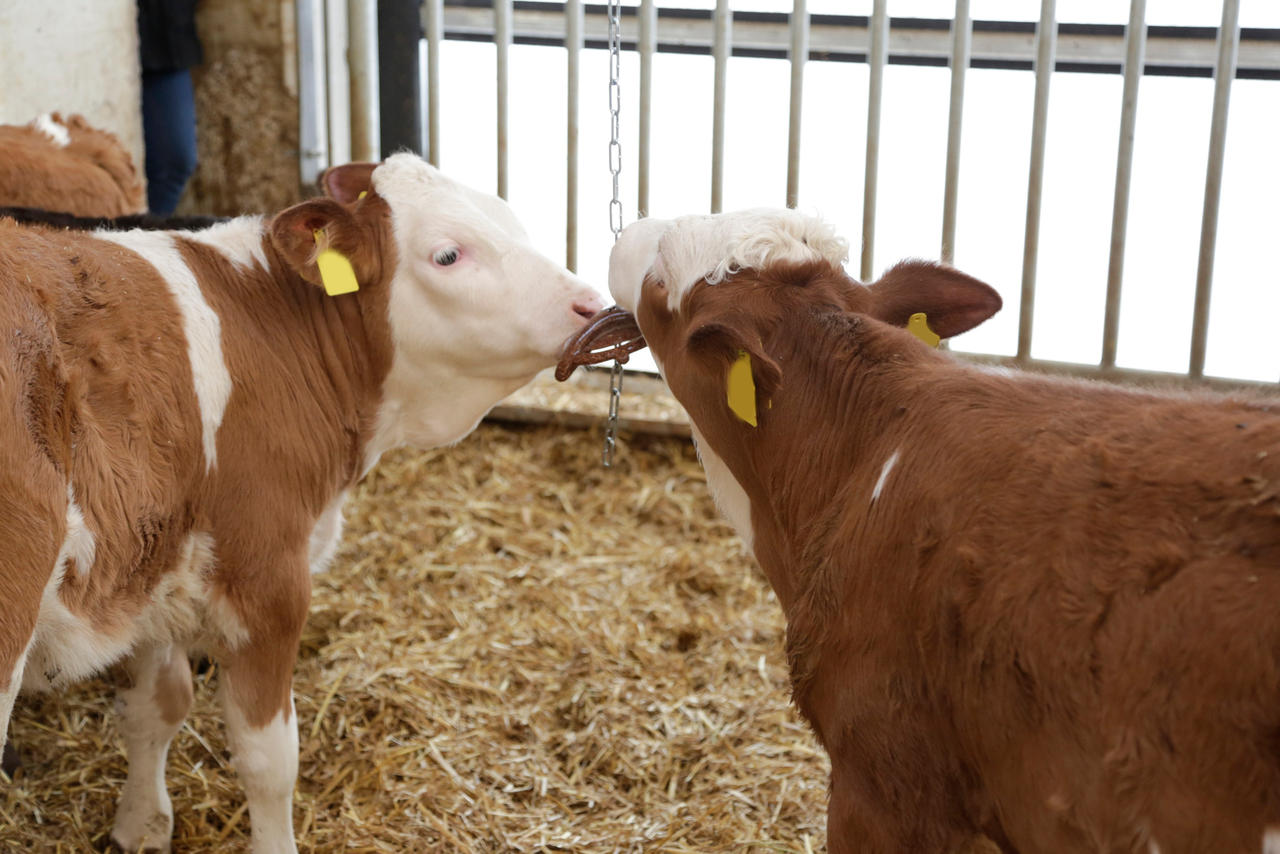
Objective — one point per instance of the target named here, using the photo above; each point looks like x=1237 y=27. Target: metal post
x=723 y=25
x=362 y=19
x=502 y=12
x=339 y=81
x=573 y=46
x=961 y=41
x=312 y=125
x=1135 y=50
x=400 y=90
x=1046 y=42
x=648 y=46
x=875 y=88
x=799 y=53
x=433 y=20
x=1224 y=73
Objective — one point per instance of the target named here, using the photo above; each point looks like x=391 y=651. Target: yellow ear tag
x=918 y=325
x=742 y=389
x=336 y=273
x=363 y=193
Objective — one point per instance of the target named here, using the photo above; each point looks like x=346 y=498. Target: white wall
x=74 y=56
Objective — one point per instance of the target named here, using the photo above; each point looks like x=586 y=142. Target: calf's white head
x=746 y=276
x=474 y=310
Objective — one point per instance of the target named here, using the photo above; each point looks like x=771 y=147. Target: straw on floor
x=515 y=650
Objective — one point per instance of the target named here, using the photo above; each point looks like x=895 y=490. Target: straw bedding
x=515 y=650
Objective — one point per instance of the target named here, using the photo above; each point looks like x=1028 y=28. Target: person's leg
x=169 y=130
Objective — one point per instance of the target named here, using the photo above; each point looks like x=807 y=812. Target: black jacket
x=167 y=35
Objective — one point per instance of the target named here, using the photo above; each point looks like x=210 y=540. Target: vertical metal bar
x=314 y=155
x=433 y=12
x=400 y=89
x=362 y=19
x=339 y=81
x=648 y=45
x=875 y=88
x=961 y=41
x=1046 y=44
x=723 y=25
x=799 y=53
x=502 y=13
x=1224 y=73
x=573 y=46
x=1135 y=51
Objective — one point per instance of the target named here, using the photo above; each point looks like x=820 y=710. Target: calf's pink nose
x=588 y=306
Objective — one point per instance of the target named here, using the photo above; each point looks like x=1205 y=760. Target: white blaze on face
x=684 y=251
x=469 y=289
x=475 y=310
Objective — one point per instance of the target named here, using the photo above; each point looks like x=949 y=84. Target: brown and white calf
x=183 y=414
x=68 y=165
x=1040 y=609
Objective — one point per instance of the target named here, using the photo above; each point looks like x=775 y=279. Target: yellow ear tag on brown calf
x=918 y=325
x=363 y=193
x=742 y=389
x=336 y=273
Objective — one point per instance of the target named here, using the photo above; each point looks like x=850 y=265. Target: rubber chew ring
x=610 y=334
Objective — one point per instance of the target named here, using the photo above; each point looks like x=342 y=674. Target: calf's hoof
x=150 y=834
x=11 y=761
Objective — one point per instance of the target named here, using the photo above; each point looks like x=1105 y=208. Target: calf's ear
x=345 y=183
x=731 y=351
x=304 y=232
x=953 y=301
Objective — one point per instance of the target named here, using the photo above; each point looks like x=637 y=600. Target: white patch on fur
x=57 y=133
x=1153 y=847
x=1271 y=840
x=68 y=648
x=144 y=815
x=633 y=256
x=730 y=497
x=200 y=324
x=239 y=240
x=79 y=545
x=10 y=692
x=326 y=536
x=468 y=334
x=884 y=475
x=267 y=761
x=714 y=247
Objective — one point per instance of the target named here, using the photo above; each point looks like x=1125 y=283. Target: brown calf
x=69 y=166
x=1039 y=609
x=182 y=414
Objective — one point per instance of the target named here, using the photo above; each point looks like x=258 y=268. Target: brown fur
x=92 y=176
x=97 y=387
x=1057 y=622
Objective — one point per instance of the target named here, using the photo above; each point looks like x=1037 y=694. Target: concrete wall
x=74 y=56
x=246 y=109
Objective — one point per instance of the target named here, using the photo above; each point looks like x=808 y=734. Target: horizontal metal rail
x=1097 y=48
x=1136 y=50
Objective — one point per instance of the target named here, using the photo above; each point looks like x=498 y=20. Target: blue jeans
x=169 y=132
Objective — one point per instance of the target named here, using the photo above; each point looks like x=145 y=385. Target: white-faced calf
x=1039 y=609
x=183 y=414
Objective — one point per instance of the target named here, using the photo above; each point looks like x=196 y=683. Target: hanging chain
x=615 y=206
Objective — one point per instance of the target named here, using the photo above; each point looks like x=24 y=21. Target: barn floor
x=515 y=650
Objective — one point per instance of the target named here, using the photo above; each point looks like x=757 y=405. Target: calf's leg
x=151 y=712
x=874 y=810
x=257 y=702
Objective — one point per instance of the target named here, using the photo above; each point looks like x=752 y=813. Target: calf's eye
x=445 y=257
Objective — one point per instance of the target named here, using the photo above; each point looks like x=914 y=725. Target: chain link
x=615 y=206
